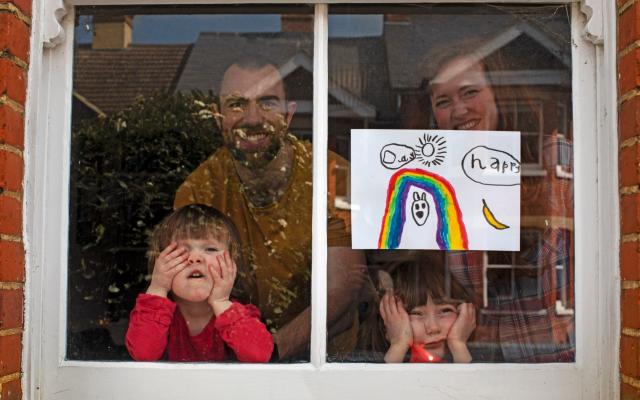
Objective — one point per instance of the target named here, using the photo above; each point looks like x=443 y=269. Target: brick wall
x=629 y=158
x=15 y=30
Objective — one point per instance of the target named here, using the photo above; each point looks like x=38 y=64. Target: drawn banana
x=491 y=219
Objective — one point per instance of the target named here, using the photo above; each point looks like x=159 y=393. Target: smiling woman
x=462 y=98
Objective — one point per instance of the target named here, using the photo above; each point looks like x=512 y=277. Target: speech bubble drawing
x=491 y=167
x=394 y=156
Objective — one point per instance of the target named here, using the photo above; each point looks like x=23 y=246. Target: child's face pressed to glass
x=430 y=324
x=195 y=282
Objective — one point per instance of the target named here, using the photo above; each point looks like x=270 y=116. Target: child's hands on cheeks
x=223 y=271
x=460 y=332
x=398 y=327
x=169 y=263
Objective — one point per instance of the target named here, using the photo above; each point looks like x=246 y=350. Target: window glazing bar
x=319 y=221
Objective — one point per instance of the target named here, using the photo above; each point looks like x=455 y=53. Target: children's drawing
x=420 y=208
x=431 y=149
x=461 y=189
x=394 y=156
x=489 y=166
x=451 y=233
x=491 y=219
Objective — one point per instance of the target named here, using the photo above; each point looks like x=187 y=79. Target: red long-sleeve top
x=157 y=325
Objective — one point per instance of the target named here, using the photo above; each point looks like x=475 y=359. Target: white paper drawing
x=461 y=189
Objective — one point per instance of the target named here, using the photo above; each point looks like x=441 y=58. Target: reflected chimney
x=296 y=23
x=397 y=19
x=112 y=32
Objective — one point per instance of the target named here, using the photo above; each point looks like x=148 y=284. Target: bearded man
x=262 y=179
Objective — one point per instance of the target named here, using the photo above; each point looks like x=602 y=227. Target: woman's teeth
x=468 y=125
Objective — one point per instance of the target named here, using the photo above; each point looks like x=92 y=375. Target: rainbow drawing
x=451 y=233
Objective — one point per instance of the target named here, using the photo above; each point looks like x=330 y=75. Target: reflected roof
x=111 y=79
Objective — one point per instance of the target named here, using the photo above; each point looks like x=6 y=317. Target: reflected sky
x=178 y=29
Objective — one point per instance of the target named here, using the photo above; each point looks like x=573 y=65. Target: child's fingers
x=461 y=310
x=233 y=269
x=222 y=266
x=391 y=308
x=214 y=274
x=216 y=264
x=393 y=305
x=230 y=263
x=471 y=312
x=176 y=253
x=228 y=266
x=178 y=268
x=400 y=306
x=467 y=317
x=172 y=246
x=384 y=307
x=466 y=310
x=177 y=260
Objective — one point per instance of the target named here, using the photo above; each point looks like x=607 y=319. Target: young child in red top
x=186 y=313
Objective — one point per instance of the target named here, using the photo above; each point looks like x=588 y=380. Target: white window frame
x=594 y=375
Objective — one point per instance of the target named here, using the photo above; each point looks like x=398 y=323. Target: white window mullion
x=319 y=224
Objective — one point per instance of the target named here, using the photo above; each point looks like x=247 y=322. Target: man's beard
x=257 y=158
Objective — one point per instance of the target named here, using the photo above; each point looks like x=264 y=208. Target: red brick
x=629 y=356
x=629 y=214
x=629 y=164
x=628 y=392
x=11 y=303
x=620 y=3
x=628 y=69
x=10 y=354
x=11 y=171
x=13 y=81
x=24 y=6
x=11 y=262
x=628 y=24
x=629 y=261
x=629 y=119
x=10 y=216
x=12 y=390
x=631 y=308
x=14 y=36
x=11 y=127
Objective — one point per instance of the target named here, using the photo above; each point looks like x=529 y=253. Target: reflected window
x=514 y=275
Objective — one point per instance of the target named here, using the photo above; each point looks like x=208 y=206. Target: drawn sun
x=431 y=150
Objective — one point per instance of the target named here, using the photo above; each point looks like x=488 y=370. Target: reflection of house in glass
x=111 y=72
x=377 y=82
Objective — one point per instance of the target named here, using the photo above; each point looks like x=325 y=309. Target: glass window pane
x=176 y=106
x=456 y=67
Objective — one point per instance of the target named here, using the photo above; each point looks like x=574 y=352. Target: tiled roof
x=214 y=51
x=409 y=46
x=111 y=79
